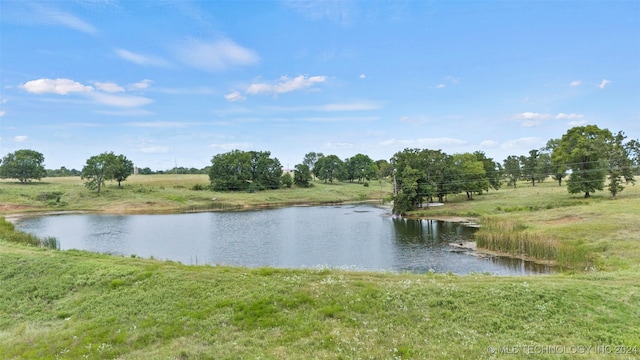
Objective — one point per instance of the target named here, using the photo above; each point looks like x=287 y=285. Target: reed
x=9 y=233
x=513 y=238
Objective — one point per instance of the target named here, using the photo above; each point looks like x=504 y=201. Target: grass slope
x=73 y=305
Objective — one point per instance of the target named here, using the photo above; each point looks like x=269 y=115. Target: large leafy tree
x=620 y=163
x=512 y=170
x=122 y=168
x=492 y=169
x=472 y=175
x=310 y=159
x=583 y=149
x=360 y=167
x=330 y=167
x=98 y=169
x=240 y=170
x=302 y=176
x=24 y=165
x=558 y=171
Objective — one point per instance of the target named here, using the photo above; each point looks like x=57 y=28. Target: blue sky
x=167 y=82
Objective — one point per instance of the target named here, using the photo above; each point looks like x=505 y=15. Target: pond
x=355 y=237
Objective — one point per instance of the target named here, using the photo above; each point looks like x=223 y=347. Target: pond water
x=356 y=237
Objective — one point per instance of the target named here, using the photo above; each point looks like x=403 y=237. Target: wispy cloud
x=142 y=85
x=333 y=11
x=20 y=138
x=532 y=119
x=285 y=84
x=562 y=116
x=234 y=96
x=338 y=145
x=51 y=16
x=424 y=142
x=604 y=83
x=126 y=101
x=524 y=144
x=161 y=124
x=218 y=55
x=231 y=146
x=154 y=149
x=108 y=87
x=2 y=113
x=488 y=144
x=352 y=106
x=141 y=59
x=575 y=83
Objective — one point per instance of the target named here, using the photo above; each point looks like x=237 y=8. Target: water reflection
x=355 y=237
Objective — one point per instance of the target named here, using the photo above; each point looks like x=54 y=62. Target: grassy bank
x=168 y=193
x=595 y=233
x=73 y=305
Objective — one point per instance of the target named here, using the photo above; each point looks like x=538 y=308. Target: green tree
x=583 y=149
x=286 y=180
x=239 y=170
x=24 y=165
x=492 y=169
x=620 y=163
x=360 y=167
x=302 y=176
x=512 y=170
x=329 y=167
x=473 y=177
x=98 y=169
x=558 y=170
x=122 y=168
x=310 y=160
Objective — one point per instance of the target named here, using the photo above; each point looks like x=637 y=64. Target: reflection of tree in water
x=431 y=232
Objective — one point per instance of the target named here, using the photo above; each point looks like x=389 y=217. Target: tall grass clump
x=513 y=238
x=9 y=233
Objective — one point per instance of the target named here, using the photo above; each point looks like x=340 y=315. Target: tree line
x=585 y=155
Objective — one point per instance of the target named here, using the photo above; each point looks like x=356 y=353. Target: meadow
x=74 y=304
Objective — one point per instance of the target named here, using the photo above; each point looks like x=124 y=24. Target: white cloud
x=440 y=86
x=50 y=16
x=339 y=118
x=488 y=144
x=217 y=55
x=604 y=83
x=525 y=143
x=575 y=83
x=231 y=146
x=154 y=149
x=57 y=86
x=141 y=59
x=362 y=76
x=531 y=119
x=338 y=146
x=424 y=142
x=532 y=116
x=354 y=106
x=108 y=87
x=334 y=11
x=2 y=113
x=454 y=80
x=234 y=96
x=125 y=112
x=125 y=101
x=144 y=84
x=20 y=138
x=413 y=120
x=160 y=124
x=576 y=123
x=562 y=116
x=286 y=85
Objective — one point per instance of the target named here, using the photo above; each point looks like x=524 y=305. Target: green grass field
x=74 y=305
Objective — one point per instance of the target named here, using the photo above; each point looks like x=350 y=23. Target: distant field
x=169 y=193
